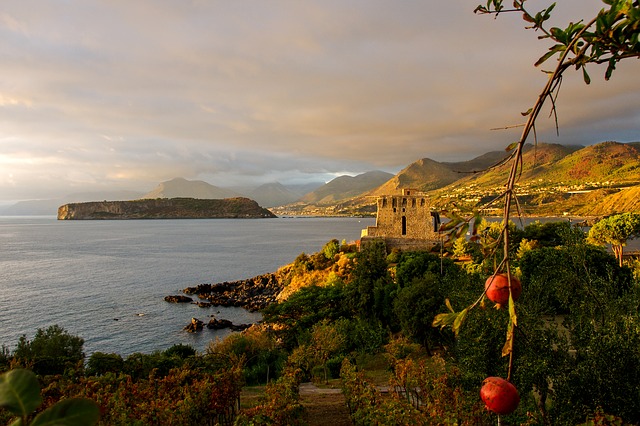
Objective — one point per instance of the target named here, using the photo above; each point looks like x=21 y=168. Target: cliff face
x=165 y=208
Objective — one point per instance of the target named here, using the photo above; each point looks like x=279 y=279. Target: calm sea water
x=105 y=280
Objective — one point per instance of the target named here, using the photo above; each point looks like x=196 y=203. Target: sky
x=110 y=95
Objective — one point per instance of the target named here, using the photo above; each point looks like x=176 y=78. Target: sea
x=105 y=281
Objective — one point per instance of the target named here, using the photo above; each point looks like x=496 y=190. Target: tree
x=305 y=307
x=101 y=363
x=51 y=351
x=415 y=307
x=369 y=292
x=616 y=230
x=326 y=340
x=331 y=249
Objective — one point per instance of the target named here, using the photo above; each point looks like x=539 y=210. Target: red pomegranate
x=499 y=395
x=497 y=288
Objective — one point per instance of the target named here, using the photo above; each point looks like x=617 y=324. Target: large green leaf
x=20 y=392
x=69 y=412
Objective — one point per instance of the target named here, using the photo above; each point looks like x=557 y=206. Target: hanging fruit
x=497 y=288
x=499 y=395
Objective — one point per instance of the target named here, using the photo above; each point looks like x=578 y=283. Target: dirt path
x=324 y=406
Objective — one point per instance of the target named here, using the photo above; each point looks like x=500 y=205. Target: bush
x=549 y=234
x=101 y=363
x=181 y=351
x=51 y=351
x=362 y=336
x=331 y=249
x=304 y=308
x=255 y=350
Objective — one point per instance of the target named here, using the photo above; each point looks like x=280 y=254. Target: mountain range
x=556 y=179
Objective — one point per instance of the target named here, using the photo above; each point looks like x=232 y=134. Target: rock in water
x=194 y=326
x=178 y=299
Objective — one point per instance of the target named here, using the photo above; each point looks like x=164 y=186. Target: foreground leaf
x=507 y=349
x=69 y=412
x=20 y=392
x=453 y=319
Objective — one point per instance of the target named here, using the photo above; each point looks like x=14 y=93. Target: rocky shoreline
x=251 y=294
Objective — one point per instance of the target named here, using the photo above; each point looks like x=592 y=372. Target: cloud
x=128 y=94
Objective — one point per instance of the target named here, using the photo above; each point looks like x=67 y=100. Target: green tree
x=100 y=363
x=370 y=291
x=180 y=350
x=549 y=234
x=416 y=306
x=51 y=351
x=616 y=230
x=304 y=308
x=331 y=249
x=326 y=340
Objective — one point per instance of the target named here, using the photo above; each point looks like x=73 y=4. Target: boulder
x=178 y=299
x=219 y=324
x=195 y=325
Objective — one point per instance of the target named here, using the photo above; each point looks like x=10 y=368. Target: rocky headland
x=166 y=208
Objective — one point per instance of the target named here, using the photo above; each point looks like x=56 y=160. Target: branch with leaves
x=610 y=37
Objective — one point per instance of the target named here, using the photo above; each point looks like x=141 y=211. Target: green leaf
x=511 y=146
x=552 y=51
x=585 y=75
x=457 y=323
x=476 y=222
x=513 y=318
x=559 y=35
x=513 y=322
x=443 y=320
x=69 y=412
x=20 y=392
x=450 y=225
x=462 y=230
x=447 y=302
x=453 y=319
x=508 y=345
x=610 y=68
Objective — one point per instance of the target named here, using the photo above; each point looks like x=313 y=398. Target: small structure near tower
x=405 y=222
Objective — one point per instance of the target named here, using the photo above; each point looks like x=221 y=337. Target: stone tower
x=404 y=221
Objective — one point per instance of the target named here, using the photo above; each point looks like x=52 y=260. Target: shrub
x=181 y=351
x=255 y=351
x=51 y=351
x=331 y=249
x=100 y=363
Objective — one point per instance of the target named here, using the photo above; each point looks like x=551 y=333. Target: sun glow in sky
x=102 y=95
